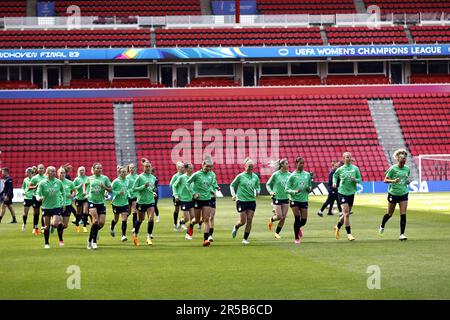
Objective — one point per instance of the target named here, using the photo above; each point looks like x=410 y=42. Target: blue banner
x=414 y=186
x=45 y=9
x=225 y=53
x=229 y=7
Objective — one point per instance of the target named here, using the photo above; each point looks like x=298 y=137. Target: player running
x=97 y=184
x=131 y=179
x=298 y=186
x=202 y=182
x=81 y=202
x=247 y=184
x=68 y=196
x=27 y=196
x=398 y=177
x=144 y=186
x=183 y=193
x=36 y=203
x=280 y=199
x=180 y=171
x=120 y=201
x=350 y=176
x=51 y=191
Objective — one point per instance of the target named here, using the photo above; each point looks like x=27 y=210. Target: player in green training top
x=27 y=196
x=183 y=193
x=119 y=201
x=398 y=177
x=298 y=187
x=280 y=199
x=201 y=183
x=247 y=184
x=350 y=176
x=176 y=204
x=36 y=203
x=81 y=199
x=69 y=195
x=97 y=184
x=144 y=188
x=132 y=197
x=50 y=192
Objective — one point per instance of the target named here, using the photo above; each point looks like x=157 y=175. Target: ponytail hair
x=94 y=165
x=119 y=168
x=248 y=161
x=276 y=164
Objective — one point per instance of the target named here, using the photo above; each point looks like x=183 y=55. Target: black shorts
x=397 y=199
x=299 y=204
x=213 y=203
x=119 y=209
x=186 y=205
x=79 y=203
x=51 y=212
x=7 y=202
x=346 y=199
x=27 y=202
x=198 y=204
x=36 y=203
x=131 y=200
x=68 y=210
x=101 y=209
x=278 y=202
x=143 y=207
x=175 y=202
x=242 y=206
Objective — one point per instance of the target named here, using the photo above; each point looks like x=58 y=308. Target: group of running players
x=194 y=193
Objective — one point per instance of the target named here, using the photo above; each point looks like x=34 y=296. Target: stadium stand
x=410 y=6
x=10 y=8
x=364 y=35
x=425 y=132
x=315 y=139
x=57 y=131
x=17 y=84
x=213 y=82
x=430 y=78
x=74 y=38
x=103 y=8
x=289 y=81
x=238 y=37
x=360 y=79
x=430 y=34
x=306 y=6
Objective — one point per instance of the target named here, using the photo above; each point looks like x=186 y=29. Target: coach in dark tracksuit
x=332 y=192
x=8 y=194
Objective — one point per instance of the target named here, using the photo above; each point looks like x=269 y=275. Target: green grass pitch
x=174 y=268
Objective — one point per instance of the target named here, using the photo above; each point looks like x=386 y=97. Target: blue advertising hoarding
x=224 y=53
x=45 y=9
x=228 y=7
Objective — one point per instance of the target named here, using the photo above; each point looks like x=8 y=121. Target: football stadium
x=225 y=150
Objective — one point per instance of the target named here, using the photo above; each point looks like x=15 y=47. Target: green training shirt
x=131 y=179
x=145 y=194
x=68 y=187
x=27 y=193
x=120 y=192
x=298 y=180
x=175 y=177
x=96 y=194
x=51 y=193
x=35 y=181
x=202 y=183
x=346 y=172
x=398 y=188
x=277 y=184
x=78 y=183
x=247 y=186
x=181 y=189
